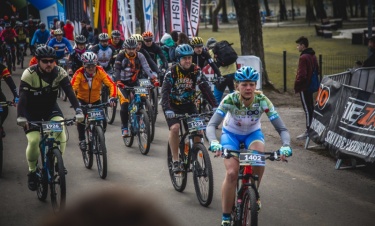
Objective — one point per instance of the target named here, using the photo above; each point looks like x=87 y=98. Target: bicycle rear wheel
x=144 y=139
x=100 y=151
x=249 y=208
x=87 y=155
x=130 y=139
x=22 y=58
x=202 y=174
x=58 y=184
x=179 y=180
x=154 y=102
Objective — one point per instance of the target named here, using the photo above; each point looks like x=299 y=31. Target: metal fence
x=361 y=78
x=332 y=64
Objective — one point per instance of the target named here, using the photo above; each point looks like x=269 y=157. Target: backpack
x=225 y=54
x=314 y=83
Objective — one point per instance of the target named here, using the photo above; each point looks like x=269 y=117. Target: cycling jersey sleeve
x=118 y=66
x=166 y=91
x=282 y=130
x=22 y=102
x=150 y=61
x=11 y=85
x=146 y=68
x=206 y=89
x=214 y=122
x=69 y=92
x=111 y=85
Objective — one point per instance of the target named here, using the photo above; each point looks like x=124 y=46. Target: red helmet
x=147 y=35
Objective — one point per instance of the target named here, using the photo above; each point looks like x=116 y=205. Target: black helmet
x=115 y=34
x=211 y=42
x=80 y=39
x=130 y=43
x=42 y=25
x=45 y=52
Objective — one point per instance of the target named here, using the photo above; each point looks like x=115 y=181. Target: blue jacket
x=40 y=37
x=60 y=46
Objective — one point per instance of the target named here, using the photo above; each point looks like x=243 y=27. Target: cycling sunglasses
x=45 y=61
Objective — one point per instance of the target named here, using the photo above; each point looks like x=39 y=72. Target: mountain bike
x=8 y=57
x=2 y=104
x=194 y=158
x=95 y=139
x=150 y=105
x=203 y=106
x=246 y=206
x=21 y=52
x=50 y=166
x=139 y=122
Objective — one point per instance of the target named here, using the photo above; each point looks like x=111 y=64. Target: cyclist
x=128 y=65
x=227 y=73
x=178 y=94
x=241 y=112
x=201 y=55
x=60 y=43
x=5 y=74
x=87 y=83
x=41 y=35
x=22 y=38
x=150 y=61
x=116 y=40
x=31 y=28
x=153 y=49
x=38 y=101
x=9 y=37
x=75 y=59
x=104 y=52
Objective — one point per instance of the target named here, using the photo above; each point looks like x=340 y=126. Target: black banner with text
x=344 y=120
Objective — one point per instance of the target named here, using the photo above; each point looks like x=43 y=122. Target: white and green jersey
x=242 y=120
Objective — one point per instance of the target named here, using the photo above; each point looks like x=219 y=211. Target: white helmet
x=89 y=58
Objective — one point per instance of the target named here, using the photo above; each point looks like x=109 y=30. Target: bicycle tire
x=150 y=113
x=87 y=155
x=144 y=138
x=58 y=183
x=22 y=58
x=9 y=61
x=249 y=208
x=130 y=139
x=104 y=98
x=205 y=107
x=179 y=180
x=154 y=102
x=100 y=152
x=111 y=114
x=42 y=183
x=202 y=174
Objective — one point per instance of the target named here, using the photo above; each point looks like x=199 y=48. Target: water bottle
x=186 y=147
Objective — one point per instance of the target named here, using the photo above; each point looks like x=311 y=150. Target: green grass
x=279 y=39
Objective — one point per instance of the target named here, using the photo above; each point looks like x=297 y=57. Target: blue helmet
x=184 y=50
x=246 y=73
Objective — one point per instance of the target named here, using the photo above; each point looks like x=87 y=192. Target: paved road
x=306 y=191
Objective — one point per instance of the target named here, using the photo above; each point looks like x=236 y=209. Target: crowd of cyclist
x=175 y=64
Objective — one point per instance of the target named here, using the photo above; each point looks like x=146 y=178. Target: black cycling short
x=181 y=109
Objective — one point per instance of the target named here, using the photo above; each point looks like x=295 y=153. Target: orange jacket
x=90 y=95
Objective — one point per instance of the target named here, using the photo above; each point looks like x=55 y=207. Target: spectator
x=307 y=63
x=55 y=24
x=90 y=39
x=69 y=32
x=182 y=39
x=174 y=35
x=370 y=61
x=84 y=30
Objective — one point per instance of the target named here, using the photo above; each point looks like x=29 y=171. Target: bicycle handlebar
x=7 y=103
x=67 y=122
x=88 y=106
x=185 y=116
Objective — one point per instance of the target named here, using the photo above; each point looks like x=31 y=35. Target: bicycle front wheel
x=179 y=179
x=58 y=184
x=202 y=174
x=111 y=114
x=42 y=183
x=100 y=151
x=150 y=112
x=144 y=138
x=87 y=155
x=249 y=208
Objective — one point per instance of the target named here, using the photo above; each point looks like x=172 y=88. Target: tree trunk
x=268 y=11
x=252 y=37
x=139 y=15
x=319 y=8
x=310 y=16
x=215 y=24
x=224 y=16
x=363 y=7
x=283 y=14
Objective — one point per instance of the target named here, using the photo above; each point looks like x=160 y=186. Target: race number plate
x=144 y=82
x=196 y=123
x=252 y=158
x=52 y=127
x=140 y=90
x=95 y=114
x=62 y=62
